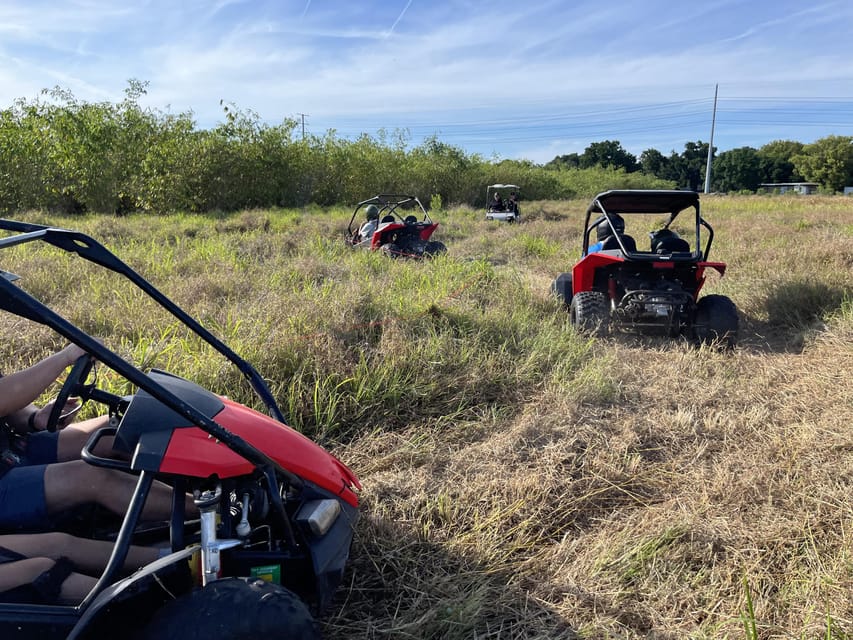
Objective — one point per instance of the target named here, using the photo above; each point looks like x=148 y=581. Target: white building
x=803 y=188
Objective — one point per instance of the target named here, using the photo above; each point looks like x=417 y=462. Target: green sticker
x=268 y=572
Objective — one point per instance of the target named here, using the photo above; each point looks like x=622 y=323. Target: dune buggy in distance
x=403 y=227
x=506 y=209
x=272 y=503
x=617 y=285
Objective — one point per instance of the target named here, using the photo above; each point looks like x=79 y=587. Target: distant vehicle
x=402 y=226
x=506 y=207
x=616 y=285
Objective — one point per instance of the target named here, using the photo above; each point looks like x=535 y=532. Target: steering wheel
x=73 y=385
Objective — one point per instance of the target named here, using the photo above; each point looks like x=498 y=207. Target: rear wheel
x=434 y=248
x=716 y=321
x=234 y=609
x=589 y=311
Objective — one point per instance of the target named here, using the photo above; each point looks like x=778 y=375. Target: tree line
x=827 y=162
x=59 y=153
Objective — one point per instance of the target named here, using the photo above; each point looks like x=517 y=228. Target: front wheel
x=716 y=321
x=234 y=609
x=562 y=288
x=589 y=311
x=392 y=250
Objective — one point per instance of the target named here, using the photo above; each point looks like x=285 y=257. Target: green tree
x=653 y=162
x=687 y=169
x=61 y=153
x=736 y=170
x=568 y=161
x=608 y=153
x=775 y=161
x=23 y=158
x=828 y=161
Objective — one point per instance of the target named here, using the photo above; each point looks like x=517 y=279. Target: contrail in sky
x=400 y=17
x=305 y=10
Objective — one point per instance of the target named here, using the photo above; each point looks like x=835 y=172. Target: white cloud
x=428 y=66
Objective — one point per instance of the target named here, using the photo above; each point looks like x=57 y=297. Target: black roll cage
x=388 y=204
x=647 y=201
x=17 y=301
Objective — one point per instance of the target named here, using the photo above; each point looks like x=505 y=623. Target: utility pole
x=303 y=123
x=711 y=144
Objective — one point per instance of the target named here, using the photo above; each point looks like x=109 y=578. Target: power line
x=738 y=117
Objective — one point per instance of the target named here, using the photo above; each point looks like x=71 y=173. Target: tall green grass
x=349 y=340
x=520 y=480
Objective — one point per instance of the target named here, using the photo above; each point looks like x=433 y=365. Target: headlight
x=319 y=515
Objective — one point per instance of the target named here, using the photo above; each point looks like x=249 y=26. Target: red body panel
x=583 y=273
x=389 y=227
x=192 y=452
x=717 y=266
x=700 y=273
x=427 y=231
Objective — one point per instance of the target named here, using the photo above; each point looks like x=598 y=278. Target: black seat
x=672 y=244
x=388 y=218
x=410 y=220
x=613 y=243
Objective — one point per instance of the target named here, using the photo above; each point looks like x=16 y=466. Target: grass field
x=521 y=480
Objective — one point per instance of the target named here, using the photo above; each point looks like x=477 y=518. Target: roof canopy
x=644 y=201
x=504 y=186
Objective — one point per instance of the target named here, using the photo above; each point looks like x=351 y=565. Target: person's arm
x=32 y=418
x=18 y=390
x=23 y=420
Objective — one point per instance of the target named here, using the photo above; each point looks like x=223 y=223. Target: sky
x=503 y=78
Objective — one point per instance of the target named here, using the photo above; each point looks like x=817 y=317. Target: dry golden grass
x=707 y=496
x=644 y=517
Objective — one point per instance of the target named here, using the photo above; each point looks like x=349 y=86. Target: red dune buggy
x=397 y=225
x=272 y=503
x=618 y=284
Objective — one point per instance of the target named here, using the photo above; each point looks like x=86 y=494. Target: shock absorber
x=243 y=527
x=208 y=505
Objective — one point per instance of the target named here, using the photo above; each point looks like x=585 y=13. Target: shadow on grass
x=400 y=586
x=795 y=309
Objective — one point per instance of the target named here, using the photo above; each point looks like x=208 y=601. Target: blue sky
x=506 y=78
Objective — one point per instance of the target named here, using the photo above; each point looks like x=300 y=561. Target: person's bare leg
x=69 y=484
x=73 y=437
x=76 y=587
x=22 y=572
x=89 y=556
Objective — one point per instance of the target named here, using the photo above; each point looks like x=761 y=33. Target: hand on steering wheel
x=74 y=385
